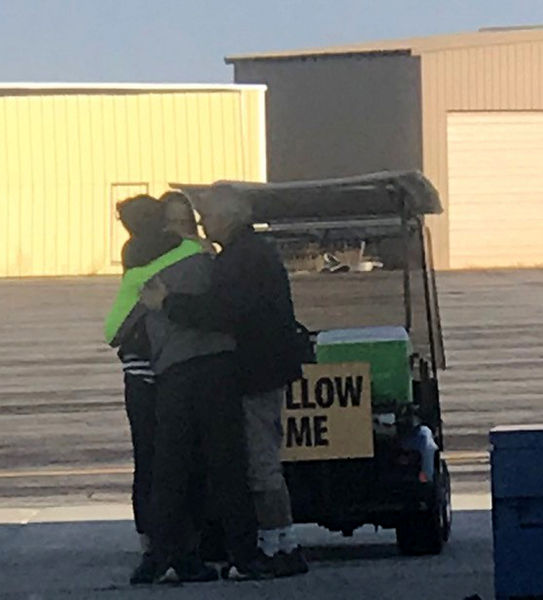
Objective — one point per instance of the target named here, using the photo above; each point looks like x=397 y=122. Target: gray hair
x=223 y=200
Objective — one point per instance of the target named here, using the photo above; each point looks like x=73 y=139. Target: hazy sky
x=186 y=40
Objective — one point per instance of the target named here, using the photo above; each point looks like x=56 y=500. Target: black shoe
x=192 y=568
x=148 y=571
x=261 y=567
x=291 y=563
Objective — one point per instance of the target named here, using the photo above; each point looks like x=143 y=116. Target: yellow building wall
x=66 y=158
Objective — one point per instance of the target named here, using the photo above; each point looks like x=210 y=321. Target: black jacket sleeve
x=204 y=311
x=232 y=297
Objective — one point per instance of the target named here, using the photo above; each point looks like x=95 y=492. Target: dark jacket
x=250 y=298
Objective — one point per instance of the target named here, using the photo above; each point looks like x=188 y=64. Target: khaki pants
x=264 y=438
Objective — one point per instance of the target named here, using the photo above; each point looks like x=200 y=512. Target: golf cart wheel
x=446 y=504
x=426 y=532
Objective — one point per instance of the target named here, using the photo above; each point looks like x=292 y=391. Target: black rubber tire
x=420 y=534
x=447 y=516
x=426 y=532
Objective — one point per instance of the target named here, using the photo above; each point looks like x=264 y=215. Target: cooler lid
x=362 y=334
x=517 y=436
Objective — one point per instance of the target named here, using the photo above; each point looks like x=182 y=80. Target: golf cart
x=363 y=430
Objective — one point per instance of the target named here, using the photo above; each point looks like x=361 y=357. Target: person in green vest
x=151 y=247
x=143 y=218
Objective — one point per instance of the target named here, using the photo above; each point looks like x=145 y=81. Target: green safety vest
x=134 y=279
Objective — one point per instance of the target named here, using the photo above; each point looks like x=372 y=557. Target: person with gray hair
x=250 y=298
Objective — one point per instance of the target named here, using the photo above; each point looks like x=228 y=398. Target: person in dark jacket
x=142 y=217
x=250 y=297
x=199 y=412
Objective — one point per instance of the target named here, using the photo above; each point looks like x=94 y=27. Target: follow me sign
x=327 y=414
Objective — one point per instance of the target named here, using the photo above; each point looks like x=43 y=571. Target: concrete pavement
x=82 y=552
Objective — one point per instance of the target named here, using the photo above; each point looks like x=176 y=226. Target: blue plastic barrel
x=517 y=510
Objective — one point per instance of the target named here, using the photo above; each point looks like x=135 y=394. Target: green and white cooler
x=387 y=349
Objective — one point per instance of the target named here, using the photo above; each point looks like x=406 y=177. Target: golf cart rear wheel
x=426 y=532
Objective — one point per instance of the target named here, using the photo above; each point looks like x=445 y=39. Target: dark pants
x=140 y=400
x=199 y=406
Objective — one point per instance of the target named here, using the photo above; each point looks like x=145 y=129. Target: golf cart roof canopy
x=383 y=194
x=372 y=225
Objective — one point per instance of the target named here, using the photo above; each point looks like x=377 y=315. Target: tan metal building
x=465 y=108
x=69 y=152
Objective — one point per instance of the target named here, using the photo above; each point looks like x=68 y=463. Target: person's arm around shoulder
x=232 y=295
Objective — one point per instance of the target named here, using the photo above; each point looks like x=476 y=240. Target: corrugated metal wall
x=67 y=156
x=333 y=117
x=504 y=76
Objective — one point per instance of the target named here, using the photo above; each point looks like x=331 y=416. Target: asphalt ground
x=83 y=559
